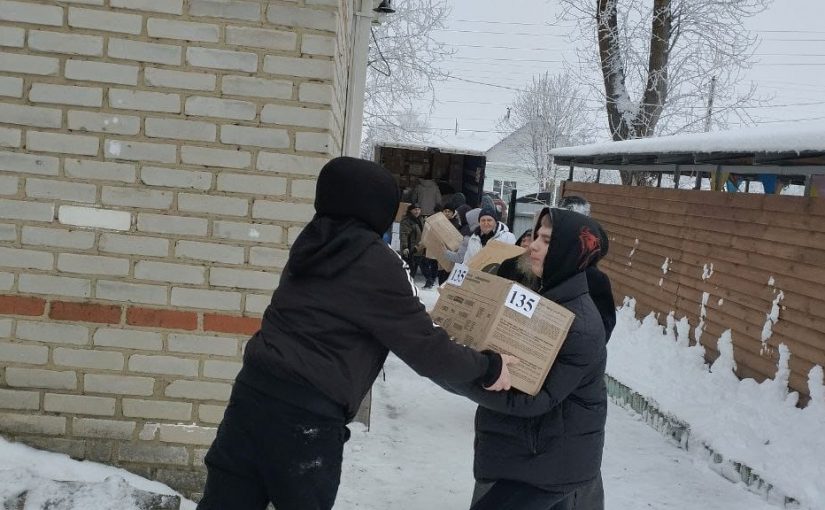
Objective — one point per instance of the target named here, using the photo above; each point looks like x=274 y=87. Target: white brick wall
x=154 y=154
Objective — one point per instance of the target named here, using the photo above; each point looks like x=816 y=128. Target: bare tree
x=550 y=112
x=658 y=61
x=405 y=62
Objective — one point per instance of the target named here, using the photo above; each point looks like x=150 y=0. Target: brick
x=32 y=424
x=94 y=218
x=164 y=6
x=12 y=36
x=152 y=454
x=300 y=67
x=244 y=279
x=30 y=115
x=183 y=30
x=144 y=51
x=252 y=184
x=101 y=72
x=20 y=210
x=105 y=20
x=282 y=211
x=209 y=251
x=100 y=170
x=157 y=409
x=290 y=164
x=86 y=358
x=258 y=137
x=226 y=370
x=189 y=481
x=300 y=17
x=118 y=384
x=209 y=299
x=29 y=64
x=296 y=116
x=293 y=233
x=268 y=257
x=92 y=264
x=164 y=224
x=179 y=79
x=199 y=344
x=22 y=305
x=313 y=142
x=168 y=365
x=134 y=245
x=87 y=2
x=72 y=44
x=231 y=324
x=318 y=45
x=261 y=38
x=140 y=151
x=5 y=325
x=224 y=206
x=222 y=59
x=147 y=101
x=256 y=303
x=255 y=232
x=98 y=451
x=10 y=137
x=38 y=378
x=30 y=259
x=256 y=87
x=61 y=190
x=62 y=94
x=58 y=142
x=128 y=339
x=106 y=429
x=165 y=272
x=103 y=122
x=248 y=11
x=8 y=233
x=56 y=285
x=52 y=332
x=211 y=413
x=84 y=312
x=11 y=399
x=11 y=86
x=187 y=434
x=167 y=177
x=137 y=197
x=166 y=319
x=20 y=353
x=302 y=188
x=181 y=129
x=225 y=108
x=215 y=157
x=79 y=404
x=6 y=282
x=73 y=448
x=9 y=185
x=58 y=237
x=200 y=390
x=27 y=12
x=319 y=93
x=131 y=292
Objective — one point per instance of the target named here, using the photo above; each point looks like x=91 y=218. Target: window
x=503 y=188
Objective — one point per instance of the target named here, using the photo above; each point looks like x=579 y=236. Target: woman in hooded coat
x=323 y=339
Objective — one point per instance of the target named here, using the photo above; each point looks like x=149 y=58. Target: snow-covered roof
x=797 y=138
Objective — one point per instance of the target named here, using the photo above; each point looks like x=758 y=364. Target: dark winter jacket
x=409 y=232
x=328 y=328
x=602 y=294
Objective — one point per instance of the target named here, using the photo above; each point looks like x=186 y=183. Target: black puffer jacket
x=346 y=299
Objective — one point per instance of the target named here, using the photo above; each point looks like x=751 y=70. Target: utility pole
x=712 y=92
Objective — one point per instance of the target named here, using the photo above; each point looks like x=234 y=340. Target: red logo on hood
x=590 y=245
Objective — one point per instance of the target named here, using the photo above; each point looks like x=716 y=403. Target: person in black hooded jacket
x=322 y=342
x=536 y=453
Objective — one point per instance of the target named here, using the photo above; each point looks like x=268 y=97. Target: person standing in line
x=488 y=229
x=323 y=340
x=410 y=231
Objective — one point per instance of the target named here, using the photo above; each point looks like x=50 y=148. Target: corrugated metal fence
x=737 y=253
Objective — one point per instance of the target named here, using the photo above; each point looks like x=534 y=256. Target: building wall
x=722 y=260
x=157 y=158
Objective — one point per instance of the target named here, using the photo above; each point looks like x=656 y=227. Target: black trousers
x=267 y=450
x=510 y=495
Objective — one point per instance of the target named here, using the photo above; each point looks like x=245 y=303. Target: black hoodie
x=345 y=299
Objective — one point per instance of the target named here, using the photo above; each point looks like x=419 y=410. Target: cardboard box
x=484 y=311
x=439 y=234
x=492 y=255
x=401 y=212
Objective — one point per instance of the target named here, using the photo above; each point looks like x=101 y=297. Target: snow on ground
x=755 y=424
x=24 y=468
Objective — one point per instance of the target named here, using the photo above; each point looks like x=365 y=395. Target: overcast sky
x=505 y=43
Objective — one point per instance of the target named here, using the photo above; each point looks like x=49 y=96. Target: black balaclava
x=576 y=243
